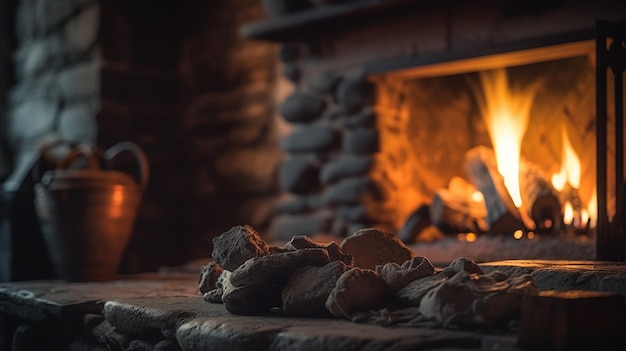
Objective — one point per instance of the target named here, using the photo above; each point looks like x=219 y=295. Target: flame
x=568 y=213
x=506 y=114
x=592 y=209
x=570 y=167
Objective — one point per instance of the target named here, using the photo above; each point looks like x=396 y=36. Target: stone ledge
x=172 y=312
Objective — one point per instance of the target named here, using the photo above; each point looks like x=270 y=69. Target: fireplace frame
x=560 y=33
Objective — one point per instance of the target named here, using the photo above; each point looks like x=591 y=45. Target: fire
x=570 y=167
x=506 y=113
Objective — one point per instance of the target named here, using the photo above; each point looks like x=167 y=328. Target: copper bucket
x=87 y=215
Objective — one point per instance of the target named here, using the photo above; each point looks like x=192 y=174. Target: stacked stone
x=57 y=74
x=329 y=154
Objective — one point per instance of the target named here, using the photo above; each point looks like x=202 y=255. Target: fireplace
x=387 y=104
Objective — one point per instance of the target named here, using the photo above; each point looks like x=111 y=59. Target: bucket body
x=87 y=218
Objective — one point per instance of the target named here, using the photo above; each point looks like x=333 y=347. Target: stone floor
x=165 y=312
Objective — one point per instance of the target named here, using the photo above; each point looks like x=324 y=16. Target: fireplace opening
x=437 y=131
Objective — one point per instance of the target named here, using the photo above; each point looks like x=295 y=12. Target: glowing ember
x=506 y=114
x=570 y=166
x=568 y=213
x=592 y=209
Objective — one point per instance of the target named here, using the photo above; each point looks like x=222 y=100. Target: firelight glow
x=506 y=113
x=570 y=166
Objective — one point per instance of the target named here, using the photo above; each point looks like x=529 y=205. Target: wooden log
x=457 y=210
x=540 y=201
x=502 y=215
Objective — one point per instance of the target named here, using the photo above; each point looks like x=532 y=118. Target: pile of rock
x=370 y=274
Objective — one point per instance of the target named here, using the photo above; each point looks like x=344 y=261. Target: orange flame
x=506 y=113
x=570 y=167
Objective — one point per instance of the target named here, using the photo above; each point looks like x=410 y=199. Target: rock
x=414 y=291
x=216 y=294
x=80 y=81
x=353 y=213
x=361 y=141
x=399 y=276
x=357 y=290
x=463 y=264
x=296 y=205
x=334 y=251
x=246 y=300
x=364 y=118
x=415 y=224
x=284 y=227
x=209 y=276
x=292 y=72
x=325 y=83
x=474 y=299
x=302 y=107
x=275 y=269
x=371 y=247
x=311 y=139
x=308 y=288
x=354 y=94
x=298 y=175
x=345 y=167
x=238 y=244
x=349 y=191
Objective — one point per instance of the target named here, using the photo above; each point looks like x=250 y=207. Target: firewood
x=540 y=200
x=453 y=212
x=502 y=215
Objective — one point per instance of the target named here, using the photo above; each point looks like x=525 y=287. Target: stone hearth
x=165 y=312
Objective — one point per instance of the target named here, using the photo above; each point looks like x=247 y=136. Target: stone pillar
x=57 y=72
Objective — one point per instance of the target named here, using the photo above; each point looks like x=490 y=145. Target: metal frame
x=610 y=240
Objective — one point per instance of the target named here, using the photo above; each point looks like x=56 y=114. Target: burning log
x=502 y=214
x=460 y=208
x=539 y=199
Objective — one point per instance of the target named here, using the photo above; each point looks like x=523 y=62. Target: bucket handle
x=142 y=160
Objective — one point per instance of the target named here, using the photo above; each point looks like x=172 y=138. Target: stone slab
x=175 y=310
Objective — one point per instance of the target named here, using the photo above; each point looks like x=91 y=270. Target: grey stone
x=399 y=276
x=354 y=94
x=347 y=166
x=252 y=299
x=357 y=290
x=45 y=86
x=349 y=191
x=463 y=264
x=35 y=18
x=371 y=247
x=209 y=276
x=30 y=120
x=299 y=175
x=311 y=139
x=308 y=288
x=302 y=107
x=81 y=31
x=294 y=206
x=325 y=83
x=289 y=52
x=292 y=72
x=352 y=213
x=81 y=81
x=415 y=224
x=285 y=227
x=240 y=243
x=363 y=118
x=473 y=299
x=37 y=56
x=360 y=141
x=77 y=122
x=414 y=291
x=274 y=270
x=334 y=251
x=216 y=294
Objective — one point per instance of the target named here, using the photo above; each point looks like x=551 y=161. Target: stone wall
x=176 y=79
x=57 y=72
